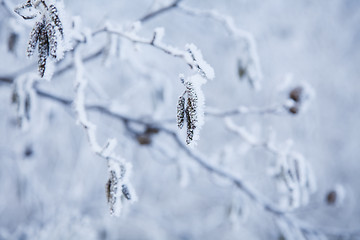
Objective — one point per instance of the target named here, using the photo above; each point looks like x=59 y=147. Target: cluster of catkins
x=187 y=109
x=117 y=188
x=47 y=32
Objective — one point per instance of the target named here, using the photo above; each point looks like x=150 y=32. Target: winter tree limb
x=249 y=191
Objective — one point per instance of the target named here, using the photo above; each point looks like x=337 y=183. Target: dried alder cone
x=47 y=32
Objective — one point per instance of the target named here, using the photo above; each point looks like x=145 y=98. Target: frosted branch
x=252 y=63
x=191 y=56
x=293 y=175
x=278 y=212
x=24 y=97
x=159 y=11
x=118 y=187
x=245 y=110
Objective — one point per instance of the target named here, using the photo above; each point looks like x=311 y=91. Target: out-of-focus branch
x=10 y=78
x=253 y=64
x=201 y=160
x=6 y=79
x=159 y=11
x=139 y=40
x=9 y=8
x=191 y=56
x=118 y=168
x=249 y=191
x=71 y=65
x=243 y=110
x=252 y=140
x=143 y=19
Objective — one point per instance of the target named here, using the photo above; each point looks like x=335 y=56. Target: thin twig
x=242 y=110
x=239 y=34
x=151 y=15
x=71 y=65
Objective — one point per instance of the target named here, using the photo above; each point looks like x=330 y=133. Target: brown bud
x=296 y=94
x=331 y=197
x=294 y=109
x=143 y=139
x=28 y=152
x=151 y=130
x=242 y=71
x=12 y=41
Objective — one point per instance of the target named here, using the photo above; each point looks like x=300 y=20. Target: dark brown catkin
x=50 y=30
x=126 y=192
x=34 y=37
x=181 y=112
x=43 y=51
x=191 y=112
x=55 y=18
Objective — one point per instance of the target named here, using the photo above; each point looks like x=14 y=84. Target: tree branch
x=242 y=110
x=255 y=75
x=156 y=13
x=201 y=160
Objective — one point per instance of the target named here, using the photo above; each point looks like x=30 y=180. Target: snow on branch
x=286 y=220
x=192 y=55
x=293 y=175
x=191 y=108
x=242 y=110
x=118 y=187
x=205 y=70
x=250 y=64
x=160 y=11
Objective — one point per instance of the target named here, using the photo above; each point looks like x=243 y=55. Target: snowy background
x=53 y=187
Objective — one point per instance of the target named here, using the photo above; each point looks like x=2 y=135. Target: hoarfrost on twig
x=118 y=187
x=252 y=63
